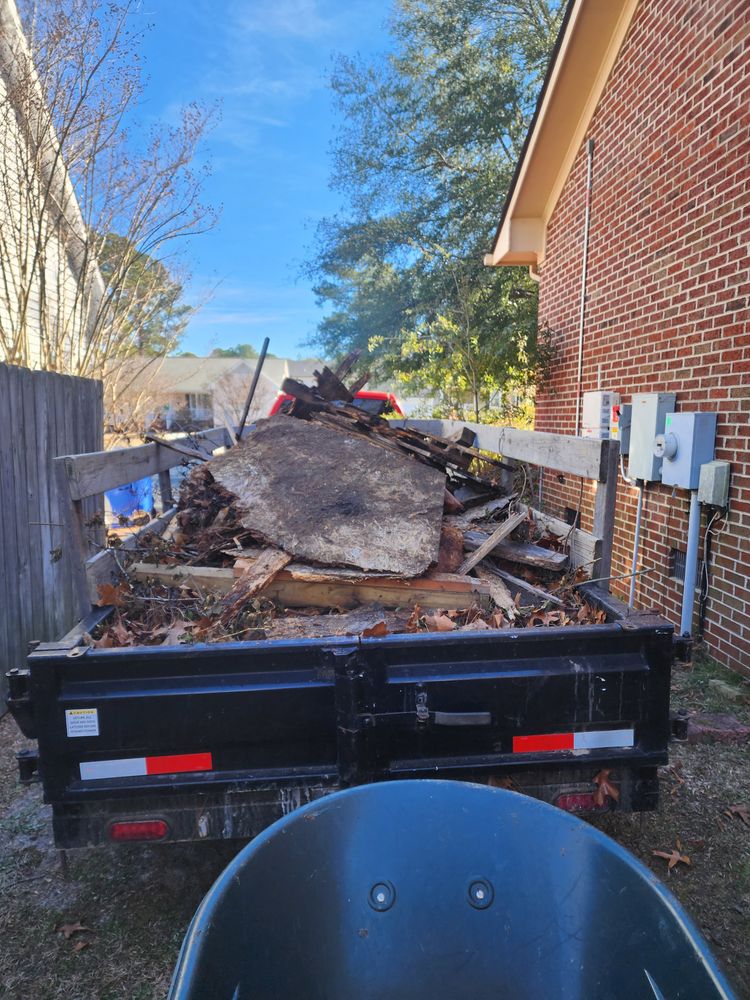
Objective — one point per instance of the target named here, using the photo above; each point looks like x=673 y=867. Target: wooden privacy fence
x=42 y=415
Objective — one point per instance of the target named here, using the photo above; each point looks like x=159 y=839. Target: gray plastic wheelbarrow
x=430 y=890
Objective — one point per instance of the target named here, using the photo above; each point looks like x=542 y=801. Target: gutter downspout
x=584 y=275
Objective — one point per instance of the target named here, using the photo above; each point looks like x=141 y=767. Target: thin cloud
x=286 y=19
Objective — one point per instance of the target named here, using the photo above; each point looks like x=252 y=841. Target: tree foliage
x=98 y=203
x=430 y=138
x=151 y=311
x=238 y=351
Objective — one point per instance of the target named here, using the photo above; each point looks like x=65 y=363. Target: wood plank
x=23 y=578
x=165 y=490
x=76 y=546
x=8 y=543
x=100 y=471
x=440 y=591
x=520 y=552
x=501 y=532
x=257 y=573
x=32 y=509
x=105 y=566
x=181 y=449
x=533 y=594
x=333 y=498
x=604 y=509
x=575 y=455
x=584 y=548
x=499 y=591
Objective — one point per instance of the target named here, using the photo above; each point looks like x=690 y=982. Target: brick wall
x=668 y=284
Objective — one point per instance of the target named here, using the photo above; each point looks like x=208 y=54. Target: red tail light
x=149 y=829
x=580 y=802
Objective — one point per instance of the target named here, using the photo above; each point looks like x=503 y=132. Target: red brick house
x=662 y=87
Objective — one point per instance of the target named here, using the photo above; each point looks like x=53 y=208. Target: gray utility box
x=713 y=485
x=647 y=419
x=686 y=444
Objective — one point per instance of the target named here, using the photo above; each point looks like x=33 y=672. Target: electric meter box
x=597 y=413
x=649 y=412
x=713 y=484
x=619 y=426
x=686 y=444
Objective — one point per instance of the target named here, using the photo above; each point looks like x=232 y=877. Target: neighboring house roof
x=587 y=47
x=200 y=375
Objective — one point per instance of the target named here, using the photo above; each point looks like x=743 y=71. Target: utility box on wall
x=597 y=413
x=649 y=413
x=686 y=444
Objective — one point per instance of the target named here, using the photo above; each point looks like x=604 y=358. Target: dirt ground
x=136 y=902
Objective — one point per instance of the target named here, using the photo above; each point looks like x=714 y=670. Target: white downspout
x=584 y=275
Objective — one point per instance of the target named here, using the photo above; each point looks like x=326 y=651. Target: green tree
x=430 y=138
x=152 y=314
x=239 y=351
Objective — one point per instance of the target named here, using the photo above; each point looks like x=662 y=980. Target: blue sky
x=267 y=62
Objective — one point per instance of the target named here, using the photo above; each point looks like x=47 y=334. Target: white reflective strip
x=607 y=739
x=130 y=767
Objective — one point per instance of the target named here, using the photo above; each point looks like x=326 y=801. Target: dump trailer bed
x=217 y=741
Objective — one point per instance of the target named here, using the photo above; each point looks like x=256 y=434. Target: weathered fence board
x=42 y=415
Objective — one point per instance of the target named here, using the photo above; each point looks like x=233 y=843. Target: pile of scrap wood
x=331 y=521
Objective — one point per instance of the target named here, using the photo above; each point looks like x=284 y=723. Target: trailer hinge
x=28 y=766
x=19 y=701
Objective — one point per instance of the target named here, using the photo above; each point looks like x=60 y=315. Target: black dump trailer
x=217 y=741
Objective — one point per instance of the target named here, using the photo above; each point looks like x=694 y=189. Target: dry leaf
x=376 y=631
x=80 y=945
x=605 y=788
x=412 y=624
x=112 y=594
x=742 y=811
x=673 y=857
x=68 y=930
x=439 y=623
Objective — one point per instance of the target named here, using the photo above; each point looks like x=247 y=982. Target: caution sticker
x=82 y=721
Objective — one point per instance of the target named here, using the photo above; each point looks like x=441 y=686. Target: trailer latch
x=449 y=718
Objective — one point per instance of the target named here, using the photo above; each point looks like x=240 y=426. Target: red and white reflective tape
x=137 y=767
x=605 y=739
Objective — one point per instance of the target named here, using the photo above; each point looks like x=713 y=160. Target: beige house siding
x=45 y=298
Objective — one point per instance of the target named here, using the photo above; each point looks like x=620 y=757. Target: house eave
x=582 y=61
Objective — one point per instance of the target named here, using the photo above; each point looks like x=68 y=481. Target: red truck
x=380 y=404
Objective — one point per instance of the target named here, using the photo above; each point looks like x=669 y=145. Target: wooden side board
x=100 y=471
x=578 y=456
x=79 y=477
x=294 y=588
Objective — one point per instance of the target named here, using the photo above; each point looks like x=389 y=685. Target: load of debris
x=328 y=520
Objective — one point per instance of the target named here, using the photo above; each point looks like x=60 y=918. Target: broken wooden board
x=300 y=586
x=474 y=517
x=502 y=531
x=520 y=552
x=352 y=623
x=335 y=499
x=451 y=550
x=585 y=549
x=257 y=572
x=499 y=592
x=529 y=594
